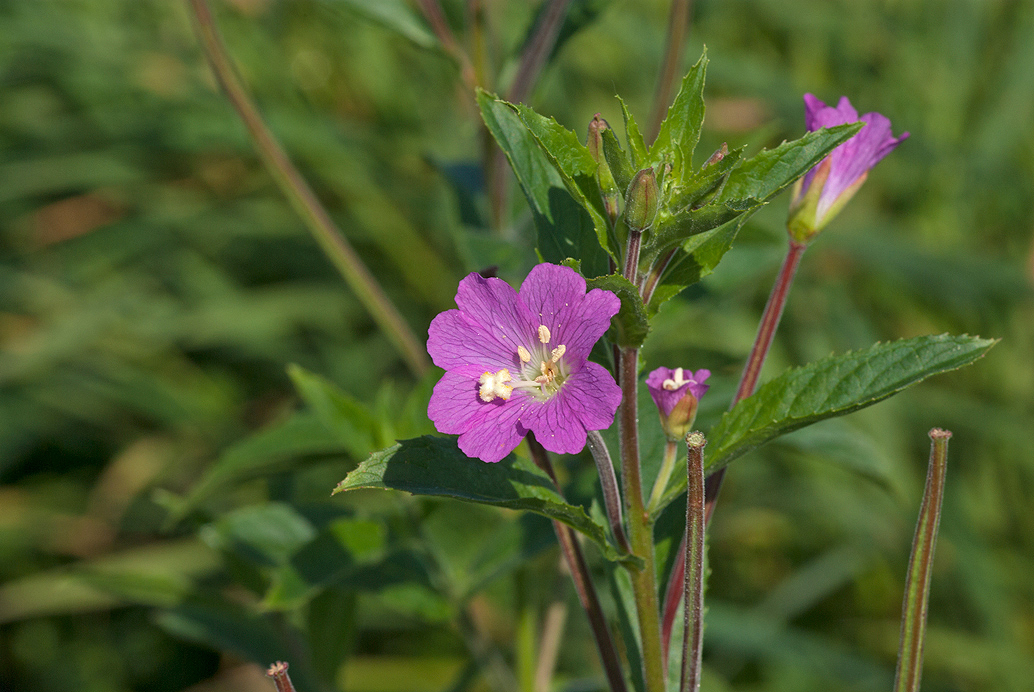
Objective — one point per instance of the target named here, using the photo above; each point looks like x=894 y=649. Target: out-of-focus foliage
x=165 y=515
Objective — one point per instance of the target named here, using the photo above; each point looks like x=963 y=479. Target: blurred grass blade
x=304 y=200
x=920 y=565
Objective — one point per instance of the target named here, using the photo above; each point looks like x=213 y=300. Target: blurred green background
x=165 y=518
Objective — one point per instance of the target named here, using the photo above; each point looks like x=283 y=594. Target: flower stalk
x=693 y=585
x=920 y=565
x=282 y=681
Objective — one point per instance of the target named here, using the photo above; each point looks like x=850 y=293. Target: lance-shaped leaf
x=435 y=466
x=631 y=323
x=750 y=186
x=680 y=130
x=636 y=145
x=832 y=387
x=762 y=176
x=565 y=228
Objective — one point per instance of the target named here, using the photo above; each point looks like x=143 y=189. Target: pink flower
x=676 y=393
x=518 y=362
x=827 y=187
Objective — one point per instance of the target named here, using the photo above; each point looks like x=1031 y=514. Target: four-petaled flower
x=676 y=393
x=518 y=362
x=826 y=188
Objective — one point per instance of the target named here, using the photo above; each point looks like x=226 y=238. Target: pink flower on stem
x=518 y=361
x=676 y=393
x=826 y=188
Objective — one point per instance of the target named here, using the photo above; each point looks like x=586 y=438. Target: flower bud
x=717 y=156
x=608 y=188
x=642 y=201
x=676 y=393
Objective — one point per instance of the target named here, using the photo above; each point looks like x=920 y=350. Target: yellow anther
x=494 y=385
x=523 y=354
x=557 y=353
x=544 y=334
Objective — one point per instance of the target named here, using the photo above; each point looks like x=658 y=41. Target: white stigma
x=544 y=335
x=494 y=385
x=671 y=384
x=523 y=354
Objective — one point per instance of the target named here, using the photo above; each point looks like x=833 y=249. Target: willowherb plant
x=520 y=362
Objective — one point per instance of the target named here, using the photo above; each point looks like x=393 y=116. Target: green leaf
x=832 y=387
x=635 y=138
x=681 y=127
x=574 y=163
x=268 y=533
x=617 y=159
x=562 y=222
x=394 y=15
x=767 y=173
x=436 y=467
x=697 y=258
x=630 y=324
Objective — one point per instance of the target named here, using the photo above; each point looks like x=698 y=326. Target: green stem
x=920 y=565
x=582 y=579
x=693 y=587
x=671 y=450
x=303 y=199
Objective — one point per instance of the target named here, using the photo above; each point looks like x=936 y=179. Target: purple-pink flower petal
x=849 y=162
x=541 y=336
x=667 y=399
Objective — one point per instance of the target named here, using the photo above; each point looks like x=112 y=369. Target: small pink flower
x=824 y=190
x=676 y=393
x=518 y=362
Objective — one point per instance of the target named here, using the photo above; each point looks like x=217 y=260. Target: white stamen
x=494 y=385
x=544 y=334
x=523 y=354
x=671 y=384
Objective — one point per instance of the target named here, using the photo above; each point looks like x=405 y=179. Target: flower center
x=673 y=383
x=541 y=382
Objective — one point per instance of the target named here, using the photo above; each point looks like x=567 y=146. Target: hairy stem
x=303 y=199
x=609 y=483
x=920 y=564
x=693 y=591
x=583 y=581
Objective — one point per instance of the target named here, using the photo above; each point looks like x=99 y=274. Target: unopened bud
x=608 y=188
x=642 y=200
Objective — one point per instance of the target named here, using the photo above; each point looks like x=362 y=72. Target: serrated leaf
x=681 y=127
x=631 y=324
x=768 y=172
x=832 y=387
x=574 y=163
x=436 y=467
x=617 y=159
x=698 y=257
x=562 y=222
x=636 y=145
